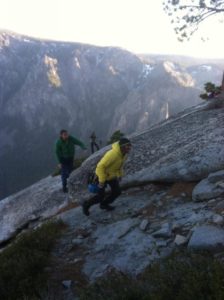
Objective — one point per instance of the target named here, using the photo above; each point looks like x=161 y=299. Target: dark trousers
x=103 y=199
x=94 y=144
x=66 y=169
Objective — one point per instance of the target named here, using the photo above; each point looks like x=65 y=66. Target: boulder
x=164 y=232
x=217 y=219
x=207 y=237
x=180 y=240
x=210 y=187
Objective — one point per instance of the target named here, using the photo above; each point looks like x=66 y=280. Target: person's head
x=64 y=134
x=125 y=145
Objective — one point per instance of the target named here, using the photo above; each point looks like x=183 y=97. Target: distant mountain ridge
x=48 y=85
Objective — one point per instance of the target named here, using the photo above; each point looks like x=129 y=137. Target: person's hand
x=101 y=185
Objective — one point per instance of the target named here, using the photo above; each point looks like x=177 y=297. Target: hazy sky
x=140 y=26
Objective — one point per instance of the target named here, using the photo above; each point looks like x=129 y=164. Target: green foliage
x=211 y=90
x=116 y=286
x=188 y=15
x=22 y=264
x=115 y=137
x=186 y=276
x=182 y=276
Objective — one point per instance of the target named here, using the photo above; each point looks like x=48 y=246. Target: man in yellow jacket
x=109 y=171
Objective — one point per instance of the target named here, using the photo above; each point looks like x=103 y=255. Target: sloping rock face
x=35 y=203
x=196 y=148
x=186 y=147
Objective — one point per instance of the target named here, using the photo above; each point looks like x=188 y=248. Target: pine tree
x=115 y=137
x=211 y=90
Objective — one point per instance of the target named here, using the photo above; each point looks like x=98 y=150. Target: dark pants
x=103 y=199
x=66 y=169
x=94 y=144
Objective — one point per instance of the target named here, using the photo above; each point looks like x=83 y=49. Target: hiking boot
x=107 y=207
x=85 y=208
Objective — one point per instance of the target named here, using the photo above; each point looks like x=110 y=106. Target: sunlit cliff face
x=52 y=70
x=183 y=78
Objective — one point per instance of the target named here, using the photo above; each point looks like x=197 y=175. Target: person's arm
x=102 y=166
x=120 y=172
x=58 y=152
x=77 y=142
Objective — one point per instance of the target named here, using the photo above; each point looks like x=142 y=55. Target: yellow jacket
x=111 y=165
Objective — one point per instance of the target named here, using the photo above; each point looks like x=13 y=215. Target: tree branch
x=216 y=10
x=192 y=15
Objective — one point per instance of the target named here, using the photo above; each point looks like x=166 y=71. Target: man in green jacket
x=65 y=151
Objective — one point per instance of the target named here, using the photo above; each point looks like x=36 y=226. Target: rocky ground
x=148 y=223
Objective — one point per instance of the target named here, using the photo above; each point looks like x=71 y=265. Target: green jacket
x=66 y=149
